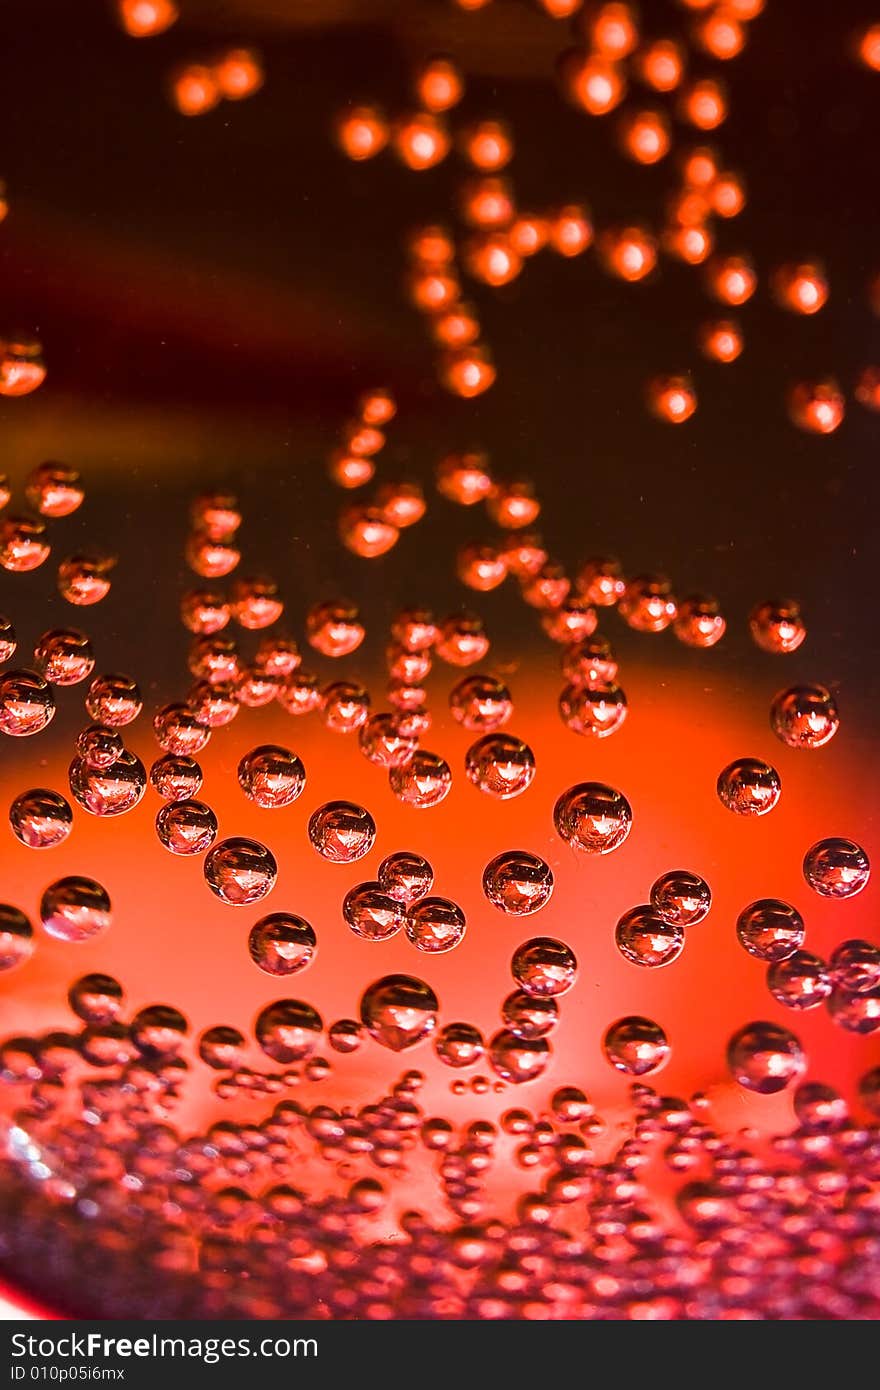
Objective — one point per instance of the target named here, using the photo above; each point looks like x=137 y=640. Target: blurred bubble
x=75 y=908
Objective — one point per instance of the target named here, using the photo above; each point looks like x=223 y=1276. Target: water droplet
x=800 y=980
x=23 y=543
x=372 y=913
x=855 y=967
x=544 y=966
x=749 y=787
x=345 y=707
x=334 y=628
x=459 y=1045
x=424 y=781
x=288 y=1030
x=804 y=716
x=186 y=827
x=636 y=1046
x=16 y=937
x=681 y=897
x=765 y=1058
x=114 y=700
x=240 y=871
x=517 y=1059
x=777 y=626
x=178 y=730
x=96 y=999
x=176 y=778
x=435 y=925
x=342 y=832
x=27 y=705
x=500 y=765
x=158 y=1031
x=40 y=818
x=54 y=489
x=644 y=938
x=480 y=702
x=528 y=1015
x=518 y=882
x=75 y=909
x=85 y=579
x=399 y=1011
x=770 y=929
x=595 y=710
x=222 y=1048
x=593 y=817
x=108 y=791
x=282 y=944
x=271 y=776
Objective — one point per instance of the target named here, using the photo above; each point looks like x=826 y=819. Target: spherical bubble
x=699 y=622
x=819 y=1108
x=256 y=687
x=204 y=611
x=16 y=937
x=518 y=882
x=818 y=407
x=647 y=604
x=99 y=747
x=459 y=1045
x=345 y=1035
x=481 y=567
x=345 y=706
x=528 y=1015
x=590 y=662
x=301 y=694
x=40 y=818
x=240 y=871
x=271 y=776
x=215 y=659
x=424 y=781
x=27 y=704
x=96 y=999
x=406 y=876
x=399 y=1011
x=572 y=622
x=107 y=1045
x=777 y=626
x=480 y=702
x=361 y=131
x=372 y=913
x=222 y=1048
x=85 y=579
x=254 y=602
x=414 y=629
x=799 y=981
x=238 y=73
x=159 y=1031
x=593 y=817
x=594 y=711
x=636 y=1046
x=178 y=730
x=765 y=1058
x=75 y=909
x=367 y=531
x=282 y=943
x=114 y=700
x=544 y=966
x=8 y=640
x=517 y=1059
x=749 y=787
x=334 y=628
x=176 y=778
x=186 y=827
x=681 y=898
x=591 y=81
x=721 y=340
x=836 y=868
x=644 y=938
x=108 y=791
x=54 y=489
x=462 y=640
x=804 y=716
x=384 y=743
x=420 y=140
x=23 y=544
x=500 y=765
x=288 y=1030
x=855 y=967
x=464 y=478
x=601 y=581
x=278 y=656
x=770 y=929
x=435 y=925
x=342 y=832
x=857 y=1013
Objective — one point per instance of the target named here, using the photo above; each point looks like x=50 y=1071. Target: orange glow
x=731 y=279
x=817 y=406
x=721 y=340
x=480 y=567
x=801 y=288
x=728 y=195
x=492 y=259
x=464 y=478
x=402 y=504
x=439 y=85
x=628 y=252
x=591 y=82
x=348 y=470
x=704 y=104
x=362 y=439
x=869 y=48
x=691 y=244
x=239 y=73
x=571 y=230
x=377 y=407
x=421 y=140
x=660 y=65
x=689 y=208
x=745 y=9
x=468 y=373
x=560 y=9
x=432 y=247
x=868 y=388
x=22 y=368
x=432 y=291
x=613 y=31
x=699 y=167
x=721 y=35
x=645 y=136
x=488 y=145
x=194 y=90
x=487 y=202
x=362 y=132
x=470 y=5
x=143 y=18
x=672 y=398
x=529 y=234
x=456 y=327
x=512 y=505
x=365 y=531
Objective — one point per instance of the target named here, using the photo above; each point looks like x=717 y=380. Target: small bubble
x=99 y=747
x=399 y=1011
x=159 y=1031
x=85 y=579
x=301 y=694
x=500 y=765
x=254 y=602
x=518 y=882
x=361 y=132
x=800 y=980
x=372 y=913
x=435 y=925
x=836 y=868
x=114 y=700
x=186 y=827
x=544 y=966
x=27 y=704
x=96 y=999
x=817 y=407
x=765 y=1058
x=855 y=967
x=857 y=1013
x=271 y=776
x=777 y=626
x=23 y=543
x=681 y=898
x=459 y=1045
x=636 y=1046
x=647 y=603
x=595 y=710
x=384 y=743
x=334 y=628
x=529 y=1016
x=40 y=818
x=240 y=871
x=178 y=730
x=804 y=716
x=176 y=778
x=108 y=791
x=288 y=1030
x=8 y=641
x=341 y=831
x=75 y=909
x=462 y=640
x=770 y=929
x=424 y=781
x=345 y=707
x=282 y=944
x=222 y=1048
x=54 y=489
x=345 y=1035
x=517 y=1059
x=16 y=937
x=590 y=662
x=644 y=938
x=699 y=622
x=749 y=787
x=593 y=817
x=406 y=876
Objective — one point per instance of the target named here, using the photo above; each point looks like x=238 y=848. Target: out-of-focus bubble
x=141 y=19
x=372 y=912
x=500 y=765
x=22 y=368
x=518 y=882
x=801 y=288
x=544 y=967
x=836 y=868
x=221 y=1048
x=480 y=702
x=282 y=944
x=770 y=929
x=345 y=1035
x=630 y=253
x=341 y=831
x=491 y=258
x=96 y=999
x=487 y=203
x=400 y=504
x=256 y=687
x=595 y=710
x=749 y=787
x=435 y=925
x=547 y=589
x=855 y=967
x=720 y=34
x=867 y=389
x=777 y=625
x=301 y=694
x=799 y=981
x=27 y=704
x=399 y=1011
x=636 y=1046
x=660 y=64
x=288 y=1030
x=186 y=827
x=704 y=104
x=240 y=871
x=688 y=243
x=804 y=716
x=590 y=662
x=384 y=742
x=731 y=279
x=204 y=611
x=459 y=1045
x=271 y=776
x=672 y=399
x=648 y=604
x=367 y=531
x=681 y=897
x=40 y=818
x=468 y=372
x=215 y=706
x=424 y=781
x=572 y=622
x=420 y=140
x=75 y=909
x=699 y=621
x=601 y=580
x=645 y=137
x=481 y=567
x=345 y=707
x=8 y=639
x=238 y=73
x=593 y=817
x=64 y=656
x=529 y=1015
x=23 y=544
x=362 y=132
x=114 y=700
x=16 y=937
x=100 y=747
x=439 y=85
x=765 y=1058
x=645 y=938
x=108 y=791
x=215 y=659
x=211 y=556
x=857 y=1013
x=178 y=730
x=194 y=89
x=571 y=233
x=254 y=602
x=818 y=407
x=334 y=628
x=517 y=1059
x=591 y=81
x=176 y=778
x=54 y=489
